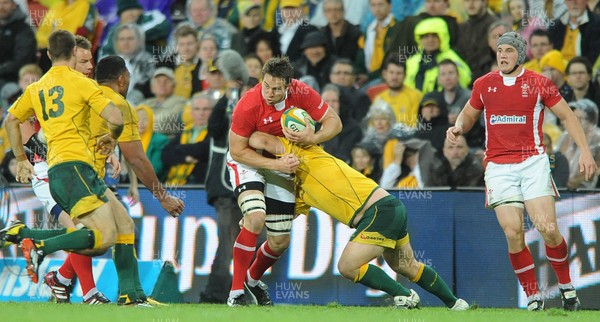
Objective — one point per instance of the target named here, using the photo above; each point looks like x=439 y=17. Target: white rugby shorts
x=41 y=187
x=517 y=182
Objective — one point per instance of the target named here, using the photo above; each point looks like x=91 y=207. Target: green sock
x=77 y=239
x=376 y=278
x=41 y=233
x=136 y=278
x=123 y=257
x=434 y=284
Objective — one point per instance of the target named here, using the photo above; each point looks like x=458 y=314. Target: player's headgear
x=516 y=40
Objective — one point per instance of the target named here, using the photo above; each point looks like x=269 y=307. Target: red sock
x=83 y=268
x=67 y=270
x=558 y=257
x=243 y=252
x=522 y=263
x=265 y=258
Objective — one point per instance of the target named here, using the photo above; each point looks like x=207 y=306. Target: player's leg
x=280 y=201
x=539 y=194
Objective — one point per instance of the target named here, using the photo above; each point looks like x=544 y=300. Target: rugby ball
x=293 y=119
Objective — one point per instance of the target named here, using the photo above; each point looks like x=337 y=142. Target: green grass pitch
x=333 y=313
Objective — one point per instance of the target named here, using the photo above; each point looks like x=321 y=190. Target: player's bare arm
x=267 y=142
x=114 y=119
x=331 y=126
x=465 y=121
x=241 y=151
x=566 y=116
x=136 y=157
x=25 y=170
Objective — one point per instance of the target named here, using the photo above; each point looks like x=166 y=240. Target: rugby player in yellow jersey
x=63 y=98
x=379 y=218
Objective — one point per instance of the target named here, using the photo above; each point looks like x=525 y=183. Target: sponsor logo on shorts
x=363 y=236
x=507 y=119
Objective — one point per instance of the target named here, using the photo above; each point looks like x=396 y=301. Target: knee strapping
x=279 y=224
x=252 y=202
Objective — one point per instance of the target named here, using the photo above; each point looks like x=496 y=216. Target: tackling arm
x=242 y=152
x=114 y=117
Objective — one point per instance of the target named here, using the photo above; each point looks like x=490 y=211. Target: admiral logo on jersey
x=507 y=119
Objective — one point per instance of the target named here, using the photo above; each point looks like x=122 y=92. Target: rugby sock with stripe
x=374 y=277
x=558 y=256
x=124 y=263
x=73 y=239
x=243 y=252
x=136 y=277
x=432 y=282
x=522 y=263
x=265 y=258
x=83 y=268
x=41 y=233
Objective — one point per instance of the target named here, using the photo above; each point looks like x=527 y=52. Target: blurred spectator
x=202 y=14
x=403 y=34
x=355 y=12
x=375 y=41
x=166 y=106
x=519 y=14
x=470 y=45
x=579 y=79
x=186 y=40
x=559 y=165
x=341 y=145
x=8 y=167
x=553 y=67
x=78 y=17
x=17 y=42
x=251 y=18
x=207 y=53
x=254 y=66
x=433 y=121
x=186 y=156
x=434 y=46
x=129 y=45
x=452 y=94
x=475 y=137
x=380 y=122
x=265 y=45
x=539 y=45
x=587 y=113
x=594 y=6
x=411 y=166
x=365 y=161
x=216 y=82
x=342 y=75
x=27 y=74
x=487 y=63
x=342 y=36
x=403 y=99
x=152 y=142
x=457 y=167
x=576 y=32
x=315 y=60
x=4 y=142
x=294 y=27
x=154 y=23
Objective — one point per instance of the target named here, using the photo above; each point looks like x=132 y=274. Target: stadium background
x=450 y=230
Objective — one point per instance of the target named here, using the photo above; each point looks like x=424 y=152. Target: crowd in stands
x=398 y=72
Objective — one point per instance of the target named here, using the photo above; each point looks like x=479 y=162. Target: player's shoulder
x=488 y=78
x=251 y=99
x=532 y=77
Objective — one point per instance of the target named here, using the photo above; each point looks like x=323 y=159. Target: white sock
x=252 y=282
x=534 y=297
x=567 y=286
x=62 y=279
x=235 y=293
x=89 y=294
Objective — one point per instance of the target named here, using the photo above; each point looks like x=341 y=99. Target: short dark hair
x=184 y=30
x=279 y=67
x=343 y=61
x=579 y=60
x=61 y=44
x=109 y=69
x=448 y=62
x=394 y=59
x=540 y=33
x=82 y=42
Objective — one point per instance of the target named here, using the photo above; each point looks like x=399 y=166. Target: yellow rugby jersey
x=99 y=127
x=328 y=183
x=62 y=100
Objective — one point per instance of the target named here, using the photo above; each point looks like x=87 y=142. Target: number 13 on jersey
x=58 y=107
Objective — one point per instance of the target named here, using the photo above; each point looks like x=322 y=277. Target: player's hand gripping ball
x=293 y=119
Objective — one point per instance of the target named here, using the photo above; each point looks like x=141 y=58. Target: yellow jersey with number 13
x=62 y=100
